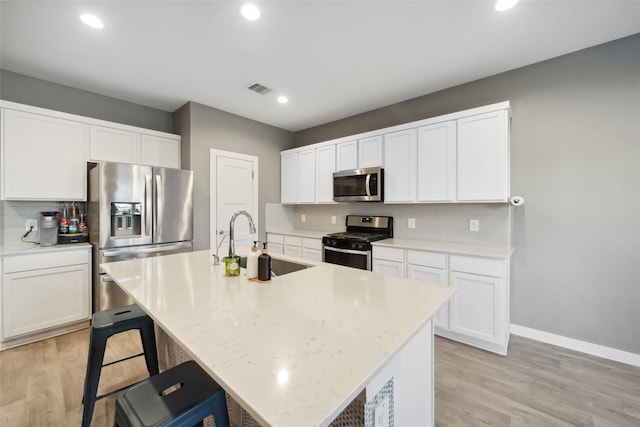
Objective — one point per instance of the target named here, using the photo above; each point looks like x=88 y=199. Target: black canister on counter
x=264 y=265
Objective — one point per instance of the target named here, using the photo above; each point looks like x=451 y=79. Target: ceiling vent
x=258 y=88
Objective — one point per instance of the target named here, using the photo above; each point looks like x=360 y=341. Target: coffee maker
x=49 y=229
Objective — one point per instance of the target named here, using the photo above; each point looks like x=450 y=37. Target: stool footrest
x=122 y=360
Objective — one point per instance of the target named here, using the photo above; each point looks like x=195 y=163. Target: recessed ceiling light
x=250 y=12
x=283 y=99
x=92 y=20
x=502 y=5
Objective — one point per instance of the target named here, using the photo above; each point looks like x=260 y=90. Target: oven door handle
x=346 y=251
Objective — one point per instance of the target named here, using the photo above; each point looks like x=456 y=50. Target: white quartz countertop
x=313 y=234
x=450 y=248
x=294 y=351
x=34 y=248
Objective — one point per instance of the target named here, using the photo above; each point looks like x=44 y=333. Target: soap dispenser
x=252 y=262
x=264 y=265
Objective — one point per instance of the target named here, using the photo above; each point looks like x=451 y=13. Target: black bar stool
x=103 y=325
x=181 y=396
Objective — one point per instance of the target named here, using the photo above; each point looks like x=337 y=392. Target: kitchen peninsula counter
x=295 y=351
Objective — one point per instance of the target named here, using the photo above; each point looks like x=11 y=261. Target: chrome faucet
x=216 y=258
x=252 y=230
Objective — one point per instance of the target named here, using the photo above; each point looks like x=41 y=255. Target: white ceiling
x=332 y=59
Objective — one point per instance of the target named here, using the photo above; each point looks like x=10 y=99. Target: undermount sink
x=279 y=267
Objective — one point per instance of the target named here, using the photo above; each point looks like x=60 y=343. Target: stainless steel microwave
x=359 y=185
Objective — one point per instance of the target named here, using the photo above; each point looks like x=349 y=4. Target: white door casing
x=233 y=187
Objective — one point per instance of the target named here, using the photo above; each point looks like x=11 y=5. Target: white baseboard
x=577 y=345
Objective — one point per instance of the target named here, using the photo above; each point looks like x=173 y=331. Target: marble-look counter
x=294 y=351
x=449 y=248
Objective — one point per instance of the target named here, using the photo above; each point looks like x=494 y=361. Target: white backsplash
x=434 y=222
x=15 y=215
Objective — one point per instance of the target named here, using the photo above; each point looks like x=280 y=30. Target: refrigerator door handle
x=147 y=205
x=159 y=202
x=135 y=251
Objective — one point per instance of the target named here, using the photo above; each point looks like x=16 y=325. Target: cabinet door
x=275 y=248
x=347 y=155
x=400 y=166
x=306 y=176
x=476 y=308
x=433 y=276
x=40 y=299
x=437 y=162
x=290 y=250
x=44 y=157
x=370 y=152
x=392 y=268
x=114 y=145
x=483 y=157
x=325 y=167
x=312 y=254
x=159 y=151
x=289 y=177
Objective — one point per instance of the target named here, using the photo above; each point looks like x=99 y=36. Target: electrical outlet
x=474 y=225
x=32 y=223
x=303 y=217
x=381 y=413
x=333 y=219
x=411 y=223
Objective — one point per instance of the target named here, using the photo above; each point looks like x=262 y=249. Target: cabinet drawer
x=485 y=267
x=427 y=259
x=390 y=254
x=13 y=264
x=275 y=238
x=293 y=240
x=311 y=243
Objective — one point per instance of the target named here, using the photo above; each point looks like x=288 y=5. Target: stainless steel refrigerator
x=135 y=211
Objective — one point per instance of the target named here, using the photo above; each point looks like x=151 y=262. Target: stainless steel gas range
x=352 y=248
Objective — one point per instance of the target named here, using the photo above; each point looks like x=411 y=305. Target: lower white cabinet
x=275 y=243
x=45 y=291
x=479 y=310
x=478 y=313
x=295 y=245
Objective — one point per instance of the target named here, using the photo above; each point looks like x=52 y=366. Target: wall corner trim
x=577 y=345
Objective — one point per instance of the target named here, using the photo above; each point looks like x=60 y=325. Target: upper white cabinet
x=160 y=151
x=113 y=145
x=370 y=152
x=325 y=167
x=43 y=158
x=400 y=166
x=307 y=176
x=483 y=157
x=347 y=155
x=289 y=177
x=436 y=156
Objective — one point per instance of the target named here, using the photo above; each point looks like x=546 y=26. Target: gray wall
x=575 y=146
x=40 y=93
x=203 y=128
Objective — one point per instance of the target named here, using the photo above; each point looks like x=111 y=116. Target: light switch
x=303 y=217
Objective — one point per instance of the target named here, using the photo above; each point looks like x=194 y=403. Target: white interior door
x=233 y=187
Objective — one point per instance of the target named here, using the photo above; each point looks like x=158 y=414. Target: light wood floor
x=535 y=385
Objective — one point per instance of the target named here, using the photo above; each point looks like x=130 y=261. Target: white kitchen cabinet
x=289 y=177
x=479 y=310
x=436 y=171
x=325 y=167
x=306 y=176
x=43 y=158
x=45 y=291
x=293 y=246
x=312 y=249
x=347 y=155
x=114 y=145
x=483 y=157
x=430 y=267
x=370 y=152
x=388 y=261
x=400 y=166
x=160 y=151
x=275 y=243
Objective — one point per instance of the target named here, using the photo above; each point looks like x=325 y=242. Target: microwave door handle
x=367 y=184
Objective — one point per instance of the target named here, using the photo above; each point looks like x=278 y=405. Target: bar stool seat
x=181 y=396
x=104 y=324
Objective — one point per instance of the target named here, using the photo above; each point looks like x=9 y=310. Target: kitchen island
x=297 y=350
